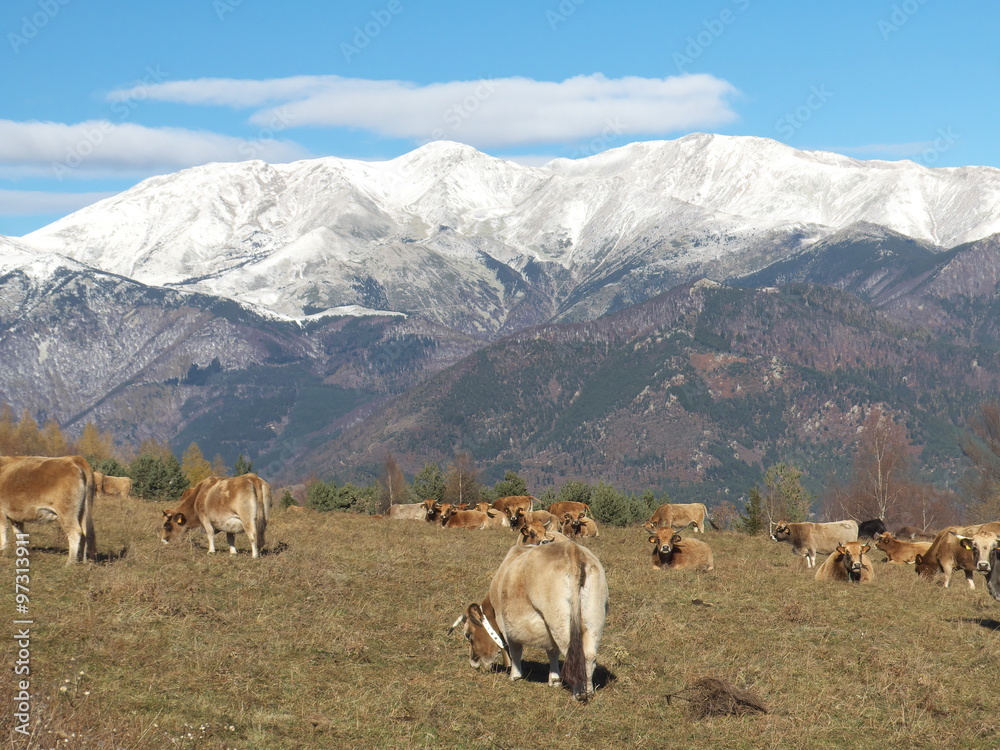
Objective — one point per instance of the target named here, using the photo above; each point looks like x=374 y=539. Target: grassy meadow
x=338 y=638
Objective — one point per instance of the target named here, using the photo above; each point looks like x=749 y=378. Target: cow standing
x=677 y=516
x=946 y=555
x=233 y=505
x=810 y=539
x=552 y=596
x=40 y=489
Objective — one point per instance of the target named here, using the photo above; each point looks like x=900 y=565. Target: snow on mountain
x=464 y=238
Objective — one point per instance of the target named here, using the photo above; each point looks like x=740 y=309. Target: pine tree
x=243 y=466
x=752 y=519
x=157 y=478
x=429 y=483
x=510 y=486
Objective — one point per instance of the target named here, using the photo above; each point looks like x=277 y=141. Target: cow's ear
x=567 y=516
x=842 y=549
x=919 y=559
x=475 y=615
x=676 y=538
x=965 y=542
x=865 y=548
x=167 y=514
x=524 y=531
x=654 y=539
x=179 y=519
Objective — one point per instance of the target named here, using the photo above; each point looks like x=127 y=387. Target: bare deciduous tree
x=392 y=486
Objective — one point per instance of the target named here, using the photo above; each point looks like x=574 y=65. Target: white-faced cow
x=551 y=596
x=672 y=552
x=233 y=505
x=848 y=562
x=810 y=539
x=40 y=489
x=677 y=516
x=407 y=512
x=897 y=551
x=981 y=544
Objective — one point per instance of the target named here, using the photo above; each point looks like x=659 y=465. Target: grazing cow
x=808 y=539
x=869 y=529
x=946 y=555
x=677 y=516
x=505 y=504
x=561 y=508
x=551 y=596
x=574 y=527
x=233 y=504
x=897 y=551
x=912 y=533
x=539 y=532
x=848 y=562
x=116 y=487
x=407 y=512
x=39 y=489
x=673 y=552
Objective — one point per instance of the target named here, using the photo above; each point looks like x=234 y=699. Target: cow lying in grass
x=897 y=551
x=578 y=527
x=848 y=562
x=810 y=539
x=672 y=552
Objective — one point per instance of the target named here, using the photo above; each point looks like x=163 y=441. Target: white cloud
x=486 y=113
x=34 y=202
x=101 y=147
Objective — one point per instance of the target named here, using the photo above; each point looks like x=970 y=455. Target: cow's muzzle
x=983 y=567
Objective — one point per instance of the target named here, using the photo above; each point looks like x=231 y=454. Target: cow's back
x=825 y=537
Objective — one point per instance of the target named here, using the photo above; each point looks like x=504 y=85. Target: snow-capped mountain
x=488 y=246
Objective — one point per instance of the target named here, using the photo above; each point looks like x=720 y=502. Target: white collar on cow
x=497 y=639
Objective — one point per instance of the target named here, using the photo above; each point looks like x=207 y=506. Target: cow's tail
x=713 y=524
x=87 y=510
x=262 y=513
x=575 y=666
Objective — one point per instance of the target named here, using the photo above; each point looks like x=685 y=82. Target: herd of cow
x=549 y=592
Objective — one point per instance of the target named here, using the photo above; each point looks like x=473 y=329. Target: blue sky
x=98 y=95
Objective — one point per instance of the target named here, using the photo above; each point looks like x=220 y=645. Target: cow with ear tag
x=673 y=552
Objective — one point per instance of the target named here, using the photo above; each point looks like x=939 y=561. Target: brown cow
x=452 y=518
x=900 y=552
x=913 y=534
x=518 y=517
x=677 y=516
x=505 y=504
x=980 y=544
x=808 y=539
x=576 y=527
x=38 y=489
x=115 y=487
x=562 y=507
x=434 y=509
x=551 y=596
x=946 y=555
x=232 y=504
x=848 y=562
x=673 y=552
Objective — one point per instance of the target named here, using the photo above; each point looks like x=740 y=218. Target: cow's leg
x=74 y=534
x=971 y=579
x=4 y=529
x=515 y=650
x=554 y=679
x=811 y=558
x=210 y=533
x=946 y=571
x=231 y=541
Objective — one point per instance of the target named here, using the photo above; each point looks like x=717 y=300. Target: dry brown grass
x=338 y=638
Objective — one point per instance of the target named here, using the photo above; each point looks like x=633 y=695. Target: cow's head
x=925 y=568
x=650 y=527
x=175 y=526
x=853 y=558
x=884 y=540
x=446 y=511
x=483 y=507
x=980 y=545
x=517 y=516
x=664 y=540
x=535 y=532
x=430 y=505
x=484 y=651
x=782 y=532
x=573 y=525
